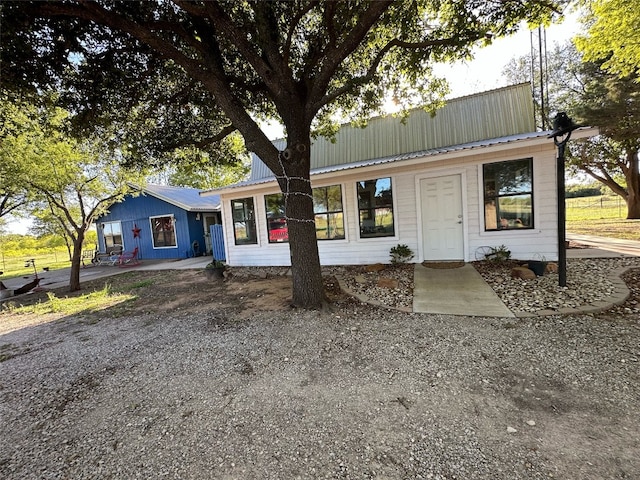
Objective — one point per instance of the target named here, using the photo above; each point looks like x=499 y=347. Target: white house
x=476 y=175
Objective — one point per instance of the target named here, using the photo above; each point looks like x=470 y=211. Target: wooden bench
x=89 y=256
x=106 y=259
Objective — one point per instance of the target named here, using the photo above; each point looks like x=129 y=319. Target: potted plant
x=538 y=266
x=215 y=269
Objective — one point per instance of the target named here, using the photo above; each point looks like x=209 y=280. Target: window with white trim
x=163 y=232
x=244 y=221
x=327 y=207
x=278 y=231
x=508 y=195
x=375 y=208
x=112 y=233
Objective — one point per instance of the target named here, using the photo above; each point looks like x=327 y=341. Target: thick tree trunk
x=74 y=279
x=633 y=185
x=633 y=207
x=308 y=289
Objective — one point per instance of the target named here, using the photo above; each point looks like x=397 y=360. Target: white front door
x=442 y=227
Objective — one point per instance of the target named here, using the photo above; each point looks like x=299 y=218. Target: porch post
x=562 y=128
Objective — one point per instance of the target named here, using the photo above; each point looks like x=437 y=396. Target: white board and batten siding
x=541 y=241
x=451 y=147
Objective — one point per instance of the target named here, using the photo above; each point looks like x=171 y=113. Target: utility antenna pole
x=539 y=75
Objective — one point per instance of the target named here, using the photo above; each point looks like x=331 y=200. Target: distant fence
x=13 y=265
x=606 y=206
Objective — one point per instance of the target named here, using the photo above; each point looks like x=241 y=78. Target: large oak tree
x=194 y=71
x=613 y=104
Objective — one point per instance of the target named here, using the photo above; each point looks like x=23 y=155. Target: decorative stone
x=523 y=273
x=376 y=267
x=359 y=279
x=387 y=282
x=511 y=430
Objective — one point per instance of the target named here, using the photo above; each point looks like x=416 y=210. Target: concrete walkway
x=603 y=247
x=463 y=291
x=60 y=278
x=455 y=291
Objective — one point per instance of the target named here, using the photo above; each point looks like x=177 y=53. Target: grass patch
x=601 y=215
x=91 y=302
x=15 y=266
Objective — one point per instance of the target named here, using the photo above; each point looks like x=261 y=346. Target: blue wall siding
x=135 y=211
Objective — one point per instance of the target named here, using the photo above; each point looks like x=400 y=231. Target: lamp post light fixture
x=562 y=128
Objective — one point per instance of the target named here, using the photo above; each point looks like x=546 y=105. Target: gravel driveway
x=195 y=380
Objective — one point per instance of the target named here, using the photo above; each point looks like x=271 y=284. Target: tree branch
x=225 y=132
x=219 y=18
x=339 y=53
x=214 y=79
x=370 y=74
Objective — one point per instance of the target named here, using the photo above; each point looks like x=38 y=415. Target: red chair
x=129 y=259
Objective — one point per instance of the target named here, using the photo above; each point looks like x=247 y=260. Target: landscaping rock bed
x=590 y=282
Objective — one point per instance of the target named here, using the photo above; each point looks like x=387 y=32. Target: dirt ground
x=200 y=379
x=185 y=291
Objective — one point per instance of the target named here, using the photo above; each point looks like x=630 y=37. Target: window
x=375 y=206
x=327 y=206
x=244 y=223
x=508 y=195
x=276 y=218
x=163 y=232
x=112 y=233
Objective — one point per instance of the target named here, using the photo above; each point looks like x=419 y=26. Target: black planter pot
x=538 y=267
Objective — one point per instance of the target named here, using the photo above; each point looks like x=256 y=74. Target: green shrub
x=498 y=254
x=400 y=254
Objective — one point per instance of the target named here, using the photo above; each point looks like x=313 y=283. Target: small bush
x=499 y=254
x=400 y=254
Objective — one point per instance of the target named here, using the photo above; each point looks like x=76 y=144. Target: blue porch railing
x=217 y=242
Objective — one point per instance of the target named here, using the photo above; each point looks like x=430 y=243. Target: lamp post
x=562 y=128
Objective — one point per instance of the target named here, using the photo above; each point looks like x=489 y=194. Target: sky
x=482 y=73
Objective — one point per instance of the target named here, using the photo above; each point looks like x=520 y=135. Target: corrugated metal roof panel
x=188 y=199
x=497 y=113
x=404 y=156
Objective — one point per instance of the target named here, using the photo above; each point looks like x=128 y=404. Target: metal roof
x=188 y=199
x=488 y=119
x=493 y=114
x=404 y=156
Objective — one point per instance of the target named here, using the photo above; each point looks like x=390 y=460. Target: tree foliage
x=592 y=96
x=12 y=195
x=191 y=72
x=560 y=75
x=193 y=167
x=612 y=36
x=67 y=181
